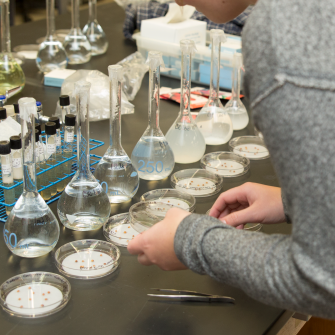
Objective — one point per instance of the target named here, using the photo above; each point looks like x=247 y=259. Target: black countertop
x=118 y=304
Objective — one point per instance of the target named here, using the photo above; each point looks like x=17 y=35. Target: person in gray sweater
x=288 y=49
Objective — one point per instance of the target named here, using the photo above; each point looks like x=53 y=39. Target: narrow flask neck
x=215 y=69
x=5 y=27
x=92 y=10
x=154 y=82
x=51 y=30
x=75 y=14
x=236 y=82
x=185 y=91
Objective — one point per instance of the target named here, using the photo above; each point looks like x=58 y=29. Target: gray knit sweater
x=289 y=56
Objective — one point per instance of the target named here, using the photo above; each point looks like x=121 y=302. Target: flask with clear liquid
x=94 y=32
x=11 y=74
x=184 y=136
x=51 y=54
x=31 y=229
x=152 y=156
x=76 y=44
x=213 y=120
x=235 y=108
x=83 y=205
x=115 y=170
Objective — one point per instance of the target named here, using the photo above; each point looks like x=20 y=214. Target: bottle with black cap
x=16 y=148
x=7 y=174
x=64 y=103
x=16 y=115
x=50 y=130
x=3 y=114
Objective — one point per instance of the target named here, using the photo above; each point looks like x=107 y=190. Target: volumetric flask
x=213 y=120
x=31 y=229
x=83 y=205
x=152 y=155
x=115 y=170
x=235 y=108
x=184 y=136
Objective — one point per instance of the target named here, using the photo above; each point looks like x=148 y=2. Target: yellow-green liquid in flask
x=11 y=74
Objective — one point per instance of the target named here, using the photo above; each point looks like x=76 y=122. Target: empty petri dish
x=248 y=226
x=172 y=197
x=118 y=230
x=34 y=294
x=225 y=164
x=198 y=182
x=87 y=259
x=28 y=51
x=252 y=147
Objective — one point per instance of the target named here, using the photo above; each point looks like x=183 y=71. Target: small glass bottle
x=83 y=205
x=115 y=170
x=64 y=103
x=51 y=54
x=184 y=136
x=3 y=99
x=235 y=108
x=16 y=115
x=16 y=148
x=31 y=229
x=3 y=114
x=11 y=72
x=152 y=155
x=44 y=177
x=213 y=120
x=7 y=174
x=50 y=131
x=39 y=112
x=94 y=32
x=76 y=44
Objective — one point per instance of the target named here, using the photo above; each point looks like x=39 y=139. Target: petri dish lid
x=118 y=230
x=144 y=215
x=225 y=164
x=87 y=259
x=248 y=226
x=198 y=182
x=28 y=51
x=172 y=197
x=34 y=294
x=252 y=147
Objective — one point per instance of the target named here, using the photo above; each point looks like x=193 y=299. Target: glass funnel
x=115 y=170
x=51 y=55
x=31 y=229
x=152 y=155
x=235 y=108
x=83 y=205
x=213 y=120
x=184 y=136
x=94 y=32
x=76 y=44
x=11 y=74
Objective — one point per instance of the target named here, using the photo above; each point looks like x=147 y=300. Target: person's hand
x=249 y=203
x=156 y=245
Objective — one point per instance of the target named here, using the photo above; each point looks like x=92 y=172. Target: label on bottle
x=6 y=169
x=51 y=148
x=58 y=141
x=68 y=137
x=17 y=163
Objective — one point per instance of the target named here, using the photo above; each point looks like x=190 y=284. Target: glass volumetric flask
x=115 y=170
x=213 y=120
x=31 y=229
x=83 y=205
x=51 y=55
x=76 y=44
x=94 y=32
x=51 y=146
x=235 y=108
x=152 y=155
x=184 y=136
x=11 y=74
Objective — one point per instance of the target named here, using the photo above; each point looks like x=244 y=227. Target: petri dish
x=172 y=197
x=197 y=182
x=28 y=51
x=34 y=294
x=225 y=164
x=87 y=259
x=248 y=226
x=145 y=214
x=252 y=147
x=118 y=230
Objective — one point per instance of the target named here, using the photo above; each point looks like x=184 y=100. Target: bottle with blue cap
x=39 y=112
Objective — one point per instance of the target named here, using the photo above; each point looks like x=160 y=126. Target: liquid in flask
x=213 y=120
x=152 y=155
x=83 y=205
x=115 y=170
x=31 y=229
x=184 y=136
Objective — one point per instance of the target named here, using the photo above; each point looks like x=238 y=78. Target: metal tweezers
x=191 y=296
